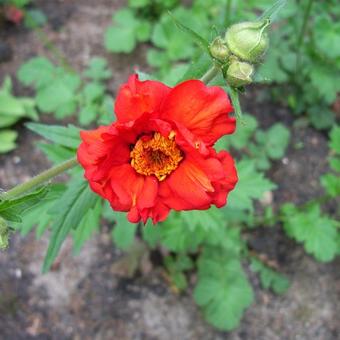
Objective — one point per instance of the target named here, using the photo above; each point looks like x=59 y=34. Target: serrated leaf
x=251 y=185
x=24 y=202
x=97 y=69
x=38 y=215
x=65 y=136
x=37 y=71
x=275 y=140
x=68 y=213
x=317 y=232
x=122 y=36
x=270 y=278
x=222 y=289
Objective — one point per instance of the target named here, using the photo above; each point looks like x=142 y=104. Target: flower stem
x=210 y=74
x=40 y=179
x=229 y=4
x=303 y=32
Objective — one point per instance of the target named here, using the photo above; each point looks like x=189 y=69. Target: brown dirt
x=89 y=297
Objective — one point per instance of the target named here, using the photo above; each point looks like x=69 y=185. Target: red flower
x=158 y=155
x=14 y=14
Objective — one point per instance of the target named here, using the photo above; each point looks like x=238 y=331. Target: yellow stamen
x=157 y=156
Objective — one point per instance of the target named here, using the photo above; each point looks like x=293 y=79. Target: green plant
x=213 y=242
x=304 y=60
x=12 y=109
x=64 y=93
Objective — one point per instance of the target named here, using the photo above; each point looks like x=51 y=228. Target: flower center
x=157 y=156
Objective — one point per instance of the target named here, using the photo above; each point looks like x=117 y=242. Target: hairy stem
x=40 y=179
x=210 y=74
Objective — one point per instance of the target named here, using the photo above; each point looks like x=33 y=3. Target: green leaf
x=197 y=68
x=122 y=37
x=317 y=232
x=65 y=136
x=97 y=69
x=151 y=234
x=24 y=202
x=61 y=91
x=245 y=129
x=124 y=232
x=199 y=40
x=34 y=18
x=87 y=226
x=68 y=213
x=252 y=185
x=270 y=278
x=331 y=183
x=222 y=290
x=56 y=153
x=334 y=143
x=275 y=140
x=37 y=71
x=7 y=140
x=38 y=215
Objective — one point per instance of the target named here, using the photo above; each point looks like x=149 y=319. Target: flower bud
x=239 y=73
x=3 y=234
x=219 y=50
x=248 y=40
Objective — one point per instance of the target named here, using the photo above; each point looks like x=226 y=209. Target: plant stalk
x=303 y=32
x=210 y=74
x=40 y=179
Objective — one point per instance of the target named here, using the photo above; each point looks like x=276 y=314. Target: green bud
x=248 y=40
x=219 y=50
x=3 y=234
x=239 y=73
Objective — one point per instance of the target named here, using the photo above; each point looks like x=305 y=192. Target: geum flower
x=159 y=153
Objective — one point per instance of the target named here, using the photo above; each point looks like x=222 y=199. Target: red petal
x=187 y=187
x=137 y=97
x=136 y=191
x=201 y=109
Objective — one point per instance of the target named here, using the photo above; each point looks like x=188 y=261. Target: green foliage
x=317 y=232
x=12 y=109
x=38 y=216
x=68 y=212
x=13 y=208
x=126 y=31
x=62 y=92
x=87 y=226
x=222 y=290
x=124 y=232
x=309 y=64
x=331 y=181
x=252 y=185
x=176 y=266
x=270 y=278
x=34 y=18
x=65 y=136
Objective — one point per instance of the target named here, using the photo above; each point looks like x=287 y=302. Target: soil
x=93 y=295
